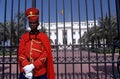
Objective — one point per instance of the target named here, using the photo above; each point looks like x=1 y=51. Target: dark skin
x=33 y=26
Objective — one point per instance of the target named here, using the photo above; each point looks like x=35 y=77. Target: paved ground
x=85 y=66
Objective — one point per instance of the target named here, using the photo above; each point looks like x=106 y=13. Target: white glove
x=28 y=68
x=29 y=75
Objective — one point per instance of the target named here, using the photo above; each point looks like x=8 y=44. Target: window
x=64 y=36
x=55 y=33
x=74 y=33
x=55 y=41
x=74 y=41
x=65 y=40
x=79 y=41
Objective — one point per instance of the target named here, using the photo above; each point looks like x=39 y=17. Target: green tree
x=10 y=30
x=107 y=30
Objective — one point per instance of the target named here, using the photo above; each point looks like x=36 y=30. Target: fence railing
x=82 y=49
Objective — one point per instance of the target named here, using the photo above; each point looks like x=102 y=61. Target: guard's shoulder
x=43 y=34
x=24 y=34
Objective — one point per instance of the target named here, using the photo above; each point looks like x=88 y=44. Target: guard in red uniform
x=34 y=52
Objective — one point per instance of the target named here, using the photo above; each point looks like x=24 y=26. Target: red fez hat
x=32 y=14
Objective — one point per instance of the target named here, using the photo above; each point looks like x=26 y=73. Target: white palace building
x=72 y=31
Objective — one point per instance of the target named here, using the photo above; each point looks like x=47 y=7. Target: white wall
x=68 y=27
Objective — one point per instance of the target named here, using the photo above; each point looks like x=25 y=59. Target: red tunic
x=36 y=49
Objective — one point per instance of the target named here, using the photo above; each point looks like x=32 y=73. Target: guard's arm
x=21 y=52
x=41 y=60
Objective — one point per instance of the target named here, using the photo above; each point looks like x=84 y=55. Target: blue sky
x=42 y=5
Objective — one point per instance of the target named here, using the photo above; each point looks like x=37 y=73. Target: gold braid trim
x=32 y=15
x=31 y=60
x=37 y=50
x=43 y=60
x=21 y=57
x=37 y=41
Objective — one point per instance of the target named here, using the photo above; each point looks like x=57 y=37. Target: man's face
x=33 y=25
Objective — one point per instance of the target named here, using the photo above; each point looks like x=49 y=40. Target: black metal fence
x=84 y=36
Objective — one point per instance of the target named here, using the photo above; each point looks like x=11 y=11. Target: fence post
x=118 y=16
x=33 y=3
x=118 y=24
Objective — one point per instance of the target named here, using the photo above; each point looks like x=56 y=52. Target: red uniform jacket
x=36 y=49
